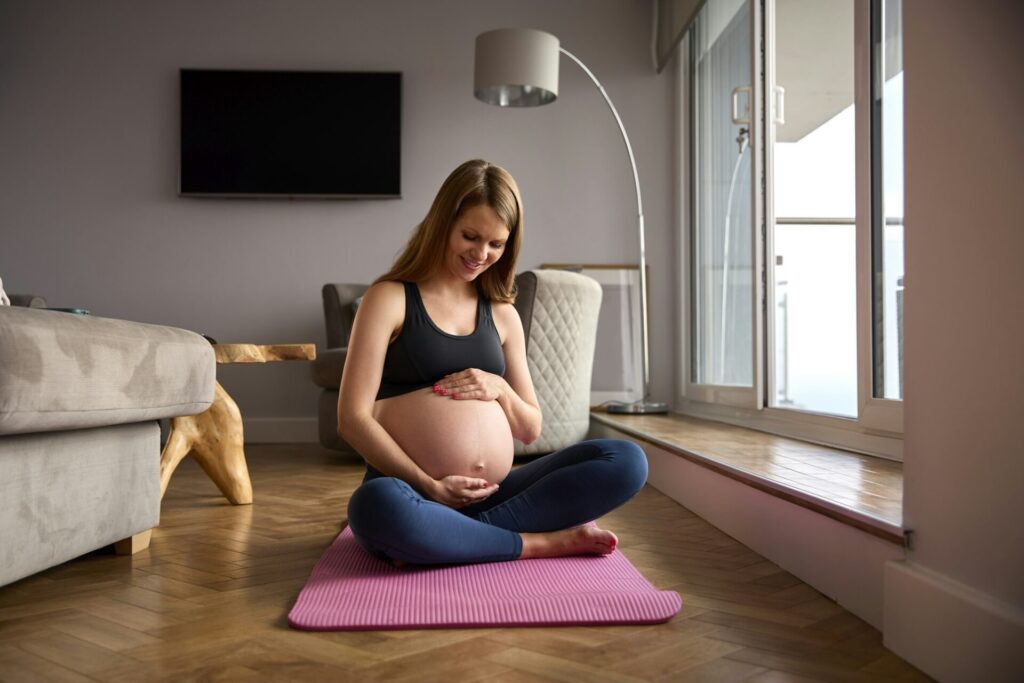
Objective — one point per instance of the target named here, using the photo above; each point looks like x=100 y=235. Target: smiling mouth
x=472 y=265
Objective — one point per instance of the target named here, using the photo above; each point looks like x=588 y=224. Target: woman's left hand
x=472 y=384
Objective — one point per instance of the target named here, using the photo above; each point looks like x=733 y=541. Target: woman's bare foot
x=579 y=540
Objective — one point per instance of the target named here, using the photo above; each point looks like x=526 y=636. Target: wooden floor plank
x=334 y=653
x=71 y=652
x=19 y=666
x=557 y=668
x=465 y=660
x=719 y=670
x=680 y=655
x=103 y=632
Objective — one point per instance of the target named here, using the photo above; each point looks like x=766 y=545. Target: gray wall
x=88 y=131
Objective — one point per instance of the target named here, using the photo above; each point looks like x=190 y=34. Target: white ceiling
x=813 y=61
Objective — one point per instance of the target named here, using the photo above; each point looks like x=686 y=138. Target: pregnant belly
x=444 y=436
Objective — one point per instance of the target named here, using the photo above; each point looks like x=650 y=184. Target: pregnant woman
x=435 y=388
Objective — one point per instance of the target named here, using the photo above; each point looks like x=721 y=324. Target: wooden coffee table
x=214 y=438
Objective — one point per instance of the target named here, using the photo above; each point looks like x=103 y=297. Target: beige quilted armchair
x=559 y=311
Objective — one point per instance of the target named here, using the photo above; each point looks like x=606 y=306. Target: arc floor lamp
x=518 y=67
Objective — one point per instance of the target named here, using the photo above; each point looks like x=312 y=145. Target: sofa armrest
x=326 y=369
x=339 y=311
x=61 y=371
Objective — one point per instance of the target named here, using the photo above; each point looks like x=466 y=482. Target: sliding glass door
x=811 y=207
x=722 y=250
x=795 y=242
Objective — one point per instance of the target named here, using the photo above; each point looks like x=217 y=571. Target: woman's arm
x=380 y=314
x=514 y=392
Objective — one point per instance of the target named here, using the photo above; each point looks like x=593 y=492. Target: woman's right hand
x=457 y=491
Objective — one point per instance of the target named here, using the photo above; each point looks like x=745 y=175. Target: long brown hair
x=473 y=183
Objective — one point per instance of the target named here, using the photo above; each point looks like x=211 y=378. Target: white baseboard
x=950 y=631
x=838 y=560
x=280 y=430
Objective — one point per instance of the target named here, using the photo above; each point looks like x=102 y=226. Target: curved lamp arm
x=642 y=405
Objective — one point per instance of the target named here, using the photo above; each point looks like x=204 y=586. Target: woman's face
x=476 y=242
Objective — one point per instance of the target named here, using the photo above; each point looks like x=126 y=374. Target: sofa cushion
x=64 y=371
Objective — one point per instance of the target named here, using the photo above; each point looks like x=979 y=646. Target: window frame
x=881 y=414
x=713 y=394
x=878 y=429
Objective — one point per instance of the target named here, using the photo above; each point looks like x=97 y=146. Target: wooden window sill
x=859 y=490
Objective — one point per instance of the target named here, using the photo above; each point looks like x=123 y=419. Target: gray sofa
x=80 y=400
x=559 y=311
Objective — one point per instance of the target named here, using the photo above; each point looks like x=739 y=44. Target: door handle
x=736 y=118
x=779 y=115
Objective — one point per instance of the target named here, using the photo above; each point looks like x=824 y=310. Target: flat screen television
x=290 y=134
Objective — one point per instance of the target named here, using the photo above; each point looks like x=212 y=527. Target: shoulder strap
x=486 y=312
x=414 y=309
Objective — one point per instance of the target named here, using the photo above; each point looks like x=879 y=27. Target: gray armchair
x=559 y=311
x=339 y=313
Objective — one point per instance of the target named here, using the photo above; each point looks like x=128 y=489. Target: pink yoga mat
x=350 y=590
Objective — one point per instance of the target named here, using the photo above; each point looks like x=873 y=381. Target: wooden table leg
x=214 y=439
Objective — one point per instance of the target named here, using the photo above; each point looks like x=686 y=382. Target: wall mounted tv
x=290 y=134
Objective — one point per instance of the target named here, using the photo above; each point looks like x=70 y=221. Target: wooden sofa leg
x=133 y=544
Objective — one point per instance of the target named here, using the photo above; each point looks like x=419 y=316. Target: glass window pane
x=887 y=226
x=722 y=247
x=815 y=318
x=813 y=184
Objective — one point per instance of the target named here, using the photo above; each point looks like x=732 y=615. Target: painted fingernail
x=437 y=388
x=444 y=391
x=455 y=395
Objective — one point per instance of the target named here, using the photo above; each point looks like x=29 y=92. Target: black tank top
x=422 y=353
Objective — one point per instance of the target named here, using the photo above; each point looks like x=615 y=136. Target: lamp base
x=639 y=408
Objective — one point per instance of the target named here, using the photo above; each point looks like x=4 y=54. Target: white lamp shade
x=516 y=67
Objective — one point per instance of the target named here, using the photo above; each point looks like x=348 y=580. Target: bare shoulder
x=384 y=301
x=504 y=311
x=506 y=317
x=386 y=294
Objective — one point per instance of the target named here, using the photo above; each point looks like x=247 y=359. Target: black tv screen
x=290 y=133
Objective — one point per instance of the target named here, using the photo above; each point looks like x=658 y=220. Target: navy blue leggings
x=575 y=485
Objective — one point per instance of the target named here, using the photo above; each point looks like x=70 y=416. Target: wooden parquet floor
x=207 y=601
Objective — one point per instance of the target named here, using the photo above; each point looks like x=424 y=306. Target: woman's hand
x=457 y=491
x=472 y=384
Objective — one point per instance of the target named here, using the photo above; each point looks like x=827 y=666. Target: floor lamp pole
x=643 y=405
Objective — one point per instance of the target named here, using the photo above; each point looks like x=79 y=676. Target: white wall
x=88 y=159
x=956 y=608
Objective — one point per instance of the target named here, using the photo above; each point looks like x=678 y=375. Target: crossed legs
x=536 y=512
